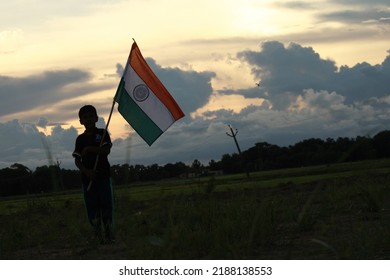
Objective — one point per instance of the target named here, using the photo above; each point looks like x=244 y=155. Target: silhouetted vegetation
x=19 y=179
x=338 y=211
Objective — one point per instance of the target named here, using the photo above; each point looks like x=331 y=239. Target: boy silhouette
x=98 y=199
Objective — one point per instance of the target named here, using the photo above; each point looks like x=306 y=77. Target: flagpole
x=101 y=143
x=105 y=132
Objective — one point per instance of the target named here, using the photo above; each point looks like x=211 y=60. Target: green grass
x=323 y=212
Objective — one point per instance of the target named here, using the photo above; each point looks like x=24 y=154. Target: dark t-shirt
x=84 y=140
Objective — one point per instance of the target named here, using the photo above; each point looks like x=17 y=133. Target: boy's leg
x=92 y=207
x=107 y=205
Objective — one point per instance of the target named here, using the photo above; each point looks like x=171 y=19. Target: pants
x=99 y=204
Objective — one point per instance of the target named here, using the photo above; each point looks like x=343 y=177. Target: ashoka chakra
x=141 y=93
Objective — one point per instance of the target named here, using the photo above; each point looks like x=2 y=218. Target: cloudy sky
x=322 y=69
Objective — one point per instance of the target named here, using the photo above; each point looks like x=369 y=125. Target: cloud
x=42 y=122
x=308 y=96
x=364 y=81
x=191 y=89
x=311 y=114
x=15 y=136
x=26 y=93
x=362 y=2
x=61 y=91
x=295 y=5
x=53 y=95
x=359 y=13
x=184 y=141
x=23 y=143
x=285 y=72
x=61 y=138
x=356 y=16
x=304 y=96
x=119 y=69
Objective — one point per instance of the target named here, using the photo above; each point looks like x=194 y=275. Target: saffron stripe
x=143 y=70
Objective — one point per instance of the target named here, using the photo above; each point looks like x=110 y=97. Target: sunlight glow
x=227 y=102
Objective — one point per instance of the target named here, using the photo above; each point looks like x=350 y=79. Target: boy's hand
x=85 y=151
x=90 y=173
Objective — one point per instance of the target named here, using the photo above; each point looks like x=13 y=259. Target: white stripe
x=152 y=106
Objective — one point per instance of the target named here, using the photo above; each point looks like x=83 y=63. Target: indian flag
x=143 y=100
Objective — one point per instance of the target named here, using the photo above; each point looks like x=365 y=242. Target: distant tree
x=153 y=172
x=139 y=171
x=196 y=164
x=15 y=180
x=173 y=170
x=214 y=165
x=231 y=164
x=71 y=179
x=381 y=144
x=42 y=179
x=196 y=167
x=341 y=146
x=19 y=179
x=361 y=149
x=120 y=174
x=308 y=152
x=20 y=169
x=265 y=156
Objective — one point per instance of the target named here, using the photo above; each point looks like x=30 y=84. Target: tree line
x=20 y=180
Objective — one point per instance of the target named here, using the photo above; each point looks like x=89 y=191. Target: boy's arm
x=87 y=172
x=77 y=154
x=104 y=150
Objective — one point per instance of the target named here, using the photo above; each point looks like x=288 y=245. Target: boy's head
x=87 y=109
x=88 y=115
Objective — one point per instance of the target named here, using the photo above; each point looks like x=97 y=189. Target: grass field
x=338 y=211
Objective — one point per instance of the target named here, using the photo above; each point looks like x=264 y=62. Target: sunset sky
x=323 y=68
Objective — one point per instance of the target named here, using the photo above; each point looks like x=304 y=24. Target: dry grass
x=332 y=217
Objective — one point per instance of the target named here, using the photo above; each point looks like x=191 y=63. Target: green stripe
x=137 y=118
